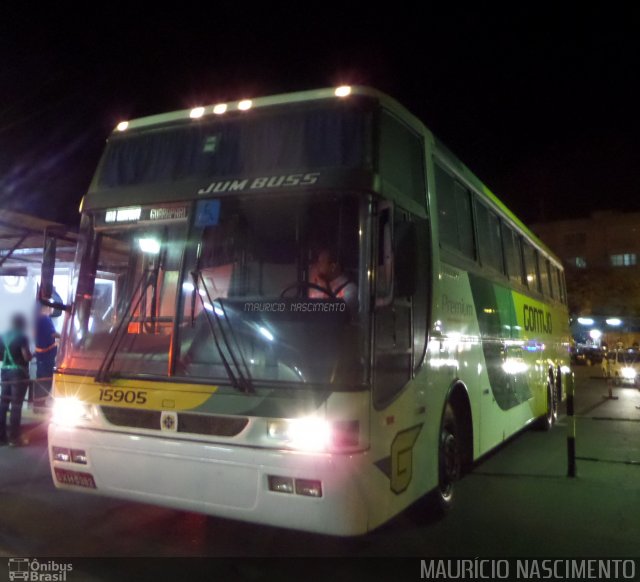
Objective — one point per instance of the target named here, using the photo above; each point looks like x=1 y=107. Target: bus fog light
x=309 y=487
x=280 y=484
x=78 y=456
x=60 y=454
x=628 y=373
x=277 y=429
x=69 y=411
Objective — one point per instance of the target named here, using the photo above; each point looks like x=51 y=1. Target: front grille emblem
x=169 y=421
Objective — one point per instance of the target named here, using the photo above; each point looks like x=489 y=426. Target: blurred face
x=325 y=267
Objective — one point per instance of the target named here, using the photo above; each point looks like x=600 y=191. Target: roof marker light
x=220 y=108
x=343 y=91
x=585 y=321
x=245 y=104
x=122 y=126
x=196 y=112
x=614 y=321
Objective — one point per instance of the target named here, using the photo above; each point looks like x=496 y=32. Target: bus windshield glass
x=259 y=290
x=334 y=135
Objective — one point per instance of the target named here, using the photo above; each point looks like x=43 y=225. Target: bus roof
x=389 y=103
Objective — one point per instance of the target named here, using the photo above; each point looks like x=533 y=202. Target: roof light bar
x=196 y=112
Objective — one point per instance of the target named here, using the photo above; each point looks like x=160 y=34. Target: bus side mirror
x=46 y=293
x=405 y=259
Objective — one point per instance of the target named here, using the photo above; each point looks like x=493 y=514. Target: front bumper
x=223 y=480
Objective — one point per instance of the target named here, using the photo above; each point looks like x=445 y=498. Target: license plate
x=76 y=478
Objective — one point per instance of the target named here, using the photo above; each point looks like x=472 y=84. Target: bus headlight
x=628 y=373
x=70 y=411
x=307 y=434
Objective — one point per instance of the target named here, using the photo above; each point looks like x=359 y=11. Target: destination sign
x=137 y=214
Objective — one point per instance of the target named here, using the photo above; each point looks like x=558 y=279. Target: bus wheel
x=449 y=459
x=551 y=416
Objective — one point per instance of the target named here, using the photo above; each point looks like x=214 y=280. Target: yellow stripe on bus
x=141 y=394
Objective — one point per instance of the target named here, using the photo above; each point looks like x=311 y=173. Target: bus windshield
x=260 y=289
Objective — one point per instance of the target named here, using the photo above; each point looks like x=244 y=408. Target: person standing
x=46 y=351
x=15 y=353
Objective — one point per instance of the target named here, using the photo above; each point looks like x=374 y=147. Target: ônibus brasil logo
x=34 y=570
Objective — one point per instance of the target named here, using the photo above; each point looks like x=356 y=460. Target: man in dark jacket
x=15 y=356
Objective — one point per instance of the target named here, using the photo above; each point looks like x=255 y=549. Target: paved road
x=517 y=502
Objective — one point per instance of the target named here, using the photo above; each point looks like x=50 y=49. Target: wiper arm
x=239 y=379
x=103 y=371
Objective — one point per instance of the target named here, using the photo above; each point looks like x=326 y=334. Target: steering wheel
x=307 y=285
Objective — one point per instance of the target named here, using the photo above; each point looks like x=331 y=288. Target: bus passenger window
x=562 y=286
x=553 y=289
x=464 y=221
x=455 y=223
x=513 y=258
x=531 y=266
x=544 y=275
x=489 y=238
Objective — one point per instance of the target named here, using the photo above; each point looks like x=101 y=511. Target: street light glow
x=122 y=126
x=220 y=108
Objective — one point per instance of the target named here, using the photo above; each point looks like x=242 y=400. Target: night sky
x=542 y=105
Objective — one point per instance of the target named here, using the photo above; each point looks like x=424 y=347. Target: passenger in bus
x=15 y=353
x=327 y=273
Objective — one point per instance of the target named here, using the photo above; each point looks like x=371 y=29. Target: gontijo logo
x=536 y=319
x=31 y=569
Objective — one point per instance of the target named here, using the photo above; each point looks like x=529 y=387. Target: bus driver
x=327 y=273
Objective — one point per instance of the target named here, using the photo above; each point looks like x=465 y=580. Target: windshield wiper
x=241 y=380
x=103 y=371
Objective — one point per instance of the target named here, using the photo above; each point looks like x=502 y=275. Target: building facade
x=601 y=255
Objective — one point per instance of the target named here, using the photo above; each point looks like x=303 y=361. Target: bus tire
x=558 y=387
x=551 y=416
x=450 y=460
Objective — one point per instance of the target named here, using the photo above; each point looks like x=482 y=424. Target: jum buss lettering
x=261 y=183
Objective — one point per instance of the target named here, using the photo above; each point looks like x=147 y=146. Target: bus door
x=393 y=353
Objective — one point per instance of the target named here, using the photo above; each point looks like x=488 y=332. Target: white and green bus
x=213 y=360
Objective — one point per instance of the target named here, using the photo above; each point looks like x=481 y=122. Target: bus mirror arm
x=46 y=293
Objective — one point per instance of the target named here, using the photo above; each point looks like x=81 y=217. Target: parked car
x=623 y=366
x=587 y=355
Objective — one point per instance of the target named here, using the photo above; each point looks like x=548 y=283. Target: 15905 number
x=118 y=395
